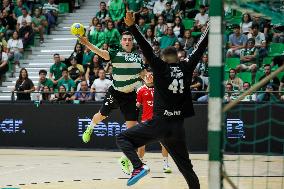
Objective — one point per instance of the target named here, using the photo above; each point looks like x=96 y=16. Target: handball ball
x=77 y=29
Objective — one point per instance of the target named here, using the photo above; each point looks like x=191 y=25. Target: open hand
x=129 y=18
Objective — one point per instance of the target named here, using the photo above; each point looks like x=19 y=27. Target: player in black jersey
x=172 y=104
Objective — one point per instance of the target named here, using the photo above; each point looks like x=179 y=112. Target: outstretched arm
x=102 y=53
x=146 y=48
x=199 y=48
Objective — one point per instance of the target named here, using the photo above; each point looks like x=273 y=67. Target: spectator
x=75 y=69
x=103 y=14
x=18 y=10
x=135 y=5
x=273 y=82
x=250 y=97
x=50 y=11
x=100 y=86
x=24 y=86
x=112 y=35
x=178 y=46
x=78 y=83
x=237 y=41
x=62 y=95
x=92 y=27
x=24 y=18
x=248 y=58
x=4 y=67
x=84 y=93
x=26 y=34
x=39 y=23
x=2 y=29
x=8 y=7
x=43 y=81
x=15 y=49
x=169 y=14
x=169 y=39
x=258 y=20
x=201 y=18
x=278 y=35
x=188 y=8
x=9 y=23
x=56 y=69
x=196 y=85
x=108 y=70
x=46 y=94
x=156 y=48
x=260 y=41
x=93 y=70
x=3 y=42
x=142 y=26
x=187 y=41
x=148 y=16
x=229 y=94
x=234 y=80
x=246 y=24
x=117 y=12
x=178 y=28
x=203 y=70
x=159 y=6
x=78 y=53
x=149 y=36
x=160 y=28
x=68 y=83
x=87 y=58
x=98 y=37
x=268 y=95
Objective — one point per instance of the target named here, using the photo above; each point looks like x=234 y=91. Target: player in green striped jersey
x=127 y=66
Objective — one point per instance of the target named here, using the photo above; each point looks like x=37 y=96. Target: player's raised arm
x=199 y=48
x=102 y=53
x=146 y=48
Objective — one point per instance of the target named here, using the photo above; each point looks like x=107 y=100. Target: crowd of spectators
x=84 y=76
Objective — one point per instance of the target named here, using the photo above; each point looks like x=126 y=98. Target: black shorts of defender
x=125 y=101
x=170 y=133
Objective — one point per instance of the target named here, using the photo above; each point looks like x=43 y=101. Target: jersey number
x=176 y=85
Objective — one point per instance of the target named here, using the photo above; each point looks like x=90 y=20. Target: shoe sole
x=138 y=177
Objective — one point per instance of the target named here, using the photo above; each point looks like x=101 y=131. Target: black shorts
x=125 y=101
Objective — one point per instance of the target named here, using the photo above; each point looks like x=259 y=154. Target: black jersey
x=172 y=96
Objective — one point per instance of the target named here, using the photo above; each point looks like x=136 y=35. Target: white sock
x=92 y=125
x=166 y=161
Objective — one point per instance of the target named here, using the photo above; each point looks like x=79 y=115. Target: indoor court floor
x=75 y=169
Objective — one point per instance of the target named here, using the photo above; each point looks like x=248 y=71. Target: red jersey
x=145 y=96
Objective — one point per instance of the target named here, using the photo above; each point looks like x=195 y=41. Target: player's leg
x=109 y=103
x=141 y=152
x=166 y=166
x=137 y=136
x=176 y=146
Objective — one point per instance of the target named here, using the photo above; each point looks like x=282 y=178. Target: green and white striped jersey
x=126 y=70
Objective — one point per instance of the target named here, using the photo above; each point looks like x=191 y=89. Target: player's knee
x=119 y=140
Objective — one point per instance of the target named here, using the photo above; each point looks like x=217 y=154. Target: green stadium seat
x=276 y=49
x=280 y=75
x=63 y=8
x=245 y=76
x=231 y=63
x=196 y=34
x=188 y=23
x=267 y=60
x=226 y=76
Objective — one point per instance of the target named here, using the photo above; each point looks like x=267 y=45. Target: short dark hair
x=233 y=70
x=202 y=7
x=255 y=25
x=236 y=26
x=102 y=2
x=55 y=54
x=64 y=69
x=169 y=51
x=42 y=71
x=127 y=33
x=24 y=9
x=265 y=65
x=245 y=83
